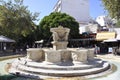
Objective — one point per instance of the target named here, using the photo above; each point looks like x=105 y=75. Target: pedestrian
x=96 y=50
x=27 y=46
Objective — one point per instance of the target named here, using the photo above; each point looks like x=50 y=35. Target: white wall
x=83 y=28
x=101 y=20
x=88 y=28
x=79 y=9
x=104 y=20
x=117 y=30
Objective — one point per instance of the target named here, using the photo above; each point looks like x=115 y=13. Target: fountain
x=59 y=61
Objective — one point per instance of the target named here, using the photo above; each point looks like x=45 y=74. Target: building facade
x=79 y=9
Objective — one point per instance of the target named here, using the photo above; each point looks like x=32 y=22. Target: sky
x=45 y=7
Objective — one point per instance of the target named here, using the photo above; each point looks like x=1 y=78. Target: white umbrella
x=5 y=39
x=41 y=41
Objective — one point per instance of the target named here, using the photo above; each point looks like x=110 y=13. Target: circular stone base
x=63 y=69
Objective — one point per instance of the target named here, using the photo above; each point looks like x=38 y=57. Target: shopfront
x=100 y=37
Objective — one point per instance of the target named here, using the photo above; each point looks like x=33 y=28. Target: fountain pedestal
x=52 y=56
x=59 y=45
x=91 y=54
x=35 y=54
x=65 y=55
x=60 y=37
x=79 y=56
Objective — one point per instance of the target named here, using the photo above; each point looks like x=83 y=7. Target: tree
x=113 y=8
x=16 y=20
x=54 y=20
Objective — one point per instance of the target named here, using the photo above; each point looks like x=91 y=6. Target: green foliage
x=54 y=20
x=38 y=33
x=113 y=8
x=15 y=19
x=118 y=23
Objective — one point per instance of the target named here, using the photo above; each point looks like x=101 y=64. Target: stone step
x=64 y=72
x=63 y=65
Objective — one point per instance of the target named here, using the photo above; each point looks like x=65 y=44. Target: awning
x=105 y=35
x=5 y=39
x=110 y=40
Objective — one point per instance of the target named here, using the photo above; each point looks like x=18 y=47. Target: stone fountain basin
x=59 y=63
x=56 y=56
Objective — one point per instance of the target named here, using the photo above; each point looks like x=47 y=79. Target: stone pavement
x=108 y=57
x=2 y=66
x=113 y=60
